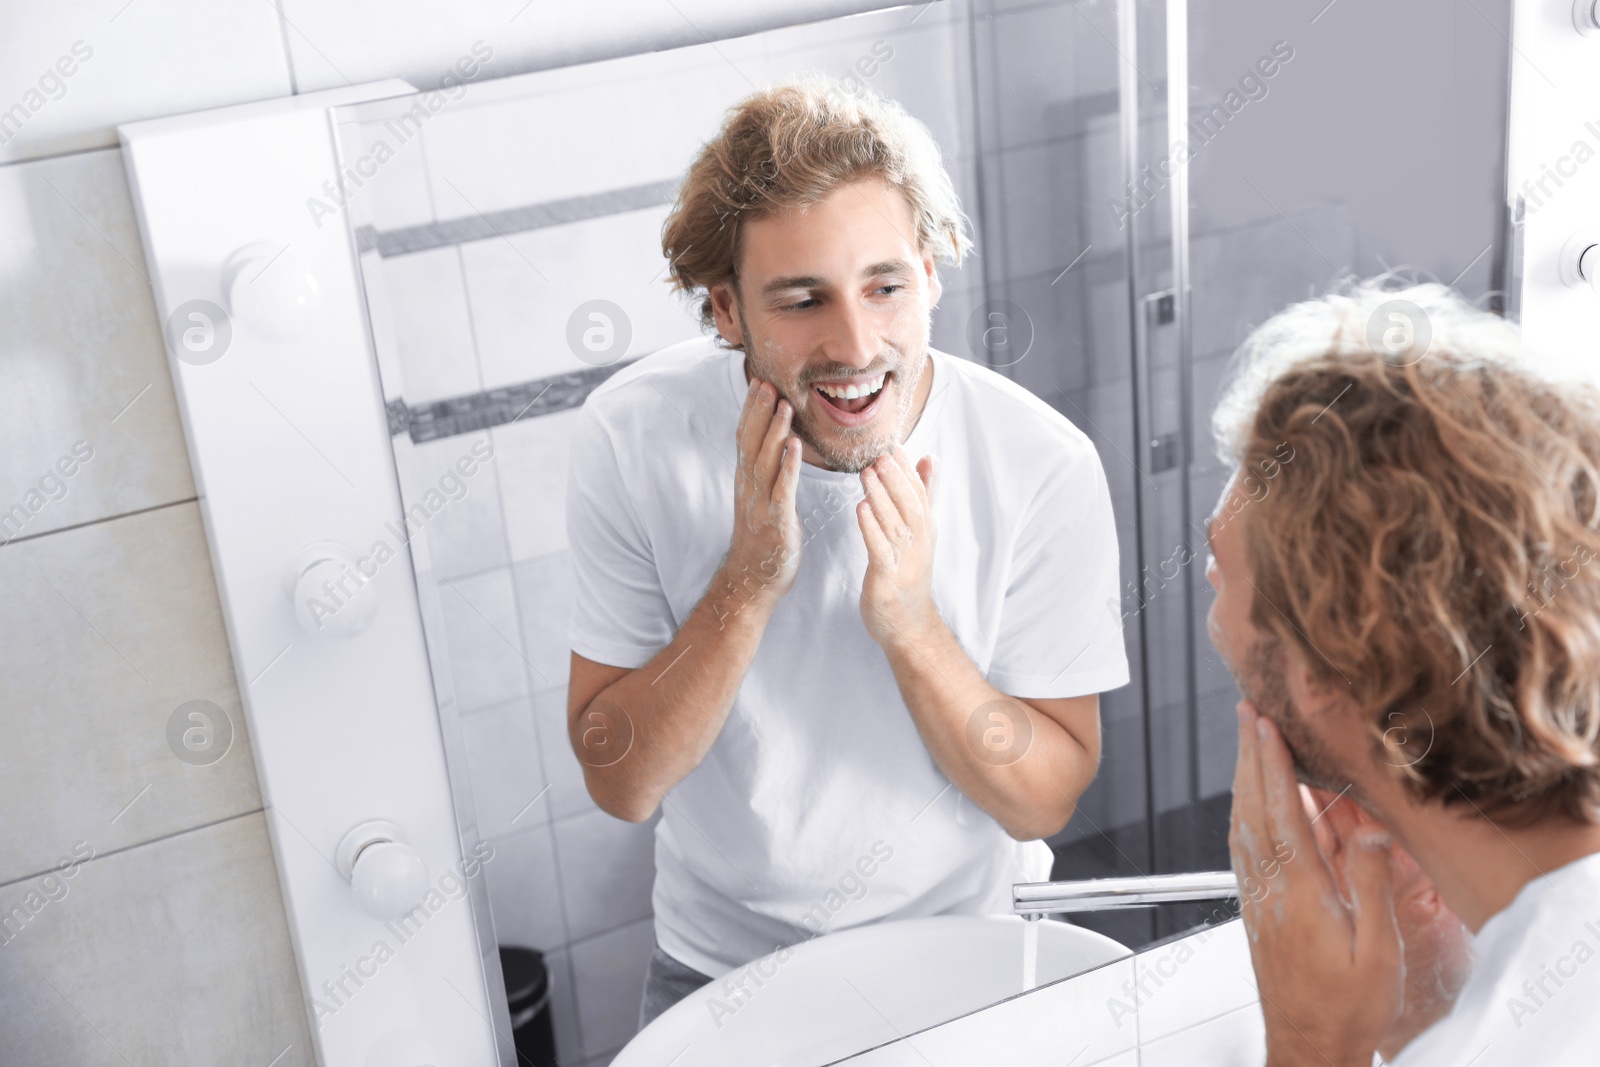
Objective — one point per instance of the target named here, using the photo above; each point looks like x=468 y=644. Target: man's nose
x=854 y=337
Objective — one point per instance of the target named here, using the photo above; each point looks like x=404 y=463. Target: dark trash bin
x=528 y=997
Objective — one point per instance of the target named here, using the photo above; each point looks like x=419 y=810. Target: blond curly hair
x=793 y=145
x=1431 y=545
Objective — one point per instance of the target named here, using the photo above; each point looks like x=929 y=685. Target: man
x=1412 y=615
x=796 y=628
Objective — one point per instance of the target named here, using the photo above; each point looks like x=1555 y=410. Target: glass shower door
x=1263 y=173
x=1086 y=262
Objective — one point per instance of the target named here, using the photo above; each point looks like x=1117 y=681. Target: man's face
x=832 y=298
x=1267 y=671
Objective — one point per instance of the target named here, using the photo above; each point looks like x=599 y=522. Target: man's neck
x=1479 y=866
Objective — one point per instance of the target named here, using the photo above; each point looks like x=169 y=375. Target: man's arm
x=1024 y=761
x=640 y=731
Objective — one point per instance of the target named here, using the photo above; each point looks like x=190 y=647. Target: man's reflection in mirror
x=845 y=603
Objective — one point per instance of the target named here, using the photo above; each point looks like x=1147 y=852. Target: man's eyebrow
x=800 y=281
x=1211 y=545
x=888 y=266
x=812 y=281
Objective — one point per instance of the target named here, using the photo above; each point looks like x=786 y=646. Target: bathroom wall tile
x=158 y=57
x=109 y=629
x=668 y=103
x=958 y=303
x=1106 y=202
x=1219 y=740
x=1053 y=65
x=1245 y=274
x=468 y=536
x=485 y=645
x=427 y=300
x=360 y=40
x=508 y=784
x=1209 y=376
x=608 y=870
x=528 y=287
x=1106 y=310
x=1107 y=417
x=398 y=194
x=544 y=596
x=609 y=974
x=1117 y=795
x=568 y=795
x=928 y=74
x=576 y=135
x=531 y=458
x=1049 y=345
x=1226 y=1041
x=524 y=892
x=171 y=952
x=916 y=56
x=564 y=1007
x=84 y=356
x=1042 y=199
x=1199 y=977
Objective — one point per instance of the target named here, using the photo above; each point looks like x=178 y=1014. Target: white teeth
x=850 y=392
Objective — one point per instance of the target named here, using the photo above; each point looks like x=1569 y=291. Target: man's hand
x=1438 y=950
x=897 y=523
x=764 y=555
x=1330 y=976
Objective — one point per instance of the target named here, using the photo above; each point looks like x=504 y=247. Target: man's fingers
x=928 y=470
x=787 y=482
x=1248 y=821
x=747 y=414
x=1247 y=791
x=1287 y=820
x=1369 y=876
x=1318 y=804
x=878 y=546
x=909 y=471
x=905 y=490
x=884 y=509
x=754 y=423
x=770 y=458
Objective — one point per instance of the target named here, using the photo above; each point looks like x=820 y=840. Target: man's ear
x=935 y=287
x=724 y=306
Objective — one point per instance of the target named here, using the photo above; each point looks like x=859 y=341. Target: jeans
x=666 y=981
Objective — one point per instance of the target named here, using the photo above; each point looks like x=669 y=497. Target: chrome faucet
x=1034 y=900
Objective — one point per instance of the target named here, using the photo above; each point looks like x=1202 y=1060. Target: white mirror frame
x=1555 y=81
x=290 y=447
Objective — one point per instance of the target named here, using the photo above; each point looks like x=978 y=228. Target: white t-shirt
x=818 y=807
x=1534 y=994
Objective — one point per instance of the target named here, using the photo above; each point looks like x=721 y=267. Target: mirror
x=510 y=239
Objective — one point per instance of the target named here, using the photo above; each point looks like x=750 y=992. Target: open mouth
x=853 y=401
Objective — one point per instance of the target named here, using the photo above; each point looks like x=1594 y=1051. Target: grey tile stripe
x=514 y=220
x=496 y=407
x=525 y=400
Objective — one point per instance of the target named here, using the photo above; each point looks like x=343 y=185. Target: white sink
x=834 y=996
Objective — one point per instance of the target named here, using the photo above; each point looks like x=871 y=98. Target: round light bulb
x=270 y=292
x=389 y=879
x=1589 y=268
x=332 y=595
x=1586 y=17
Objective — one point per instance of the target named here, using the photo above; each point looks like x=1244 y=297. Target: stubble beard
x=1262 y=682
x=842 y=448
